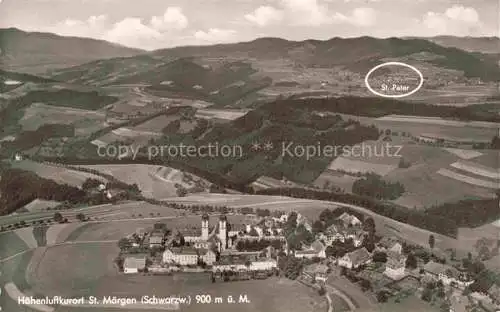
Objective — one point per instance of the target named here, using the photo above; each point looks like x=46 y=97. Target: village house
x=155 y=240
x=317 y=272
x=355 y=259
x=207 y=256
x=341 y=233
x=234 y=265
x=316 y=250
x=181 y=256
x=304 y=221
x=237 y=229
x=349 y=220
x=389 y=243
x=134 y=264
x=395 y=265
x=263 y=265
x=449 y=275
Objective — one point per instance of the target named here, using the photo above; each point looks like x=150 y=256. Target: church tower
x=204 y=227
x=223 y=232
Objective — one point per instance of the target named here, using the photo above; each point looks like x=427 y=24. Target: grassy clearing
x=13 y=271
x=59 y=233
x=26 y=234
x=464 y=154
x=223 y=114
x=74 y=235
x=40 y=205
x=70 y=270
x=411 y=303
x=359 y=166
x=58 y=174
x=142 y=175
x=39 y=114
x=11 y=244
x=331 y=178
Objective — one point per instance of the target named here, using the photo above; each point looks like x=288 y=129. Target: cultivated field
x=175 y=176
x=332 y=178
x=224 y=114
x=13 y=271
x=11 y=244
x=40 y=205
x=464 y=154
x=73 y=270
x=133 y=133
x=58 y=174
x=26 y=234
x=143 y=176
x=469 y=180
x=106 y=212
x=477 y=169
x=423 y=181
x=360 y=166
x=156 y=124
x=154 y=181
x=85 y=121
x=418 y=125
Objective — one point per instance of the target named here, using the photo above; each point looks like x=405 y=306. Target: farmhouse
x=355 y=259
x=182 y=256
x=447 y=274
x=134 y=264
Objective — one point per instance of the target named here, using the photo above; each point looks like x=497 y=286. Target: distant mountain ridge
x=356 y=54
x=470 y=44
x=37 y=52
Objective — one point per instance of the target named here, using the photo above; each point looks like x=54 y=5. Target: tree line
x=435 y=223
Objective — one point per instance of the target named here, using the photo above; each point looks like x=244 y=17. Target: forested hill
x=378 y=107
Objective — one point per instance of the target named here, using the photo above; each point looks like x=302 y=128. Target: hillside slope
x=359 y=54
x=36 y=52
x=471 y=44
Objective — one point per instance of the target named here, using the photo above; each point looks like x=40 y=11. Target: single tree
x=411 y=261
x=432 y=241
x=81 y=217
x=124 y=244
x=58 y=217
x=382 y=296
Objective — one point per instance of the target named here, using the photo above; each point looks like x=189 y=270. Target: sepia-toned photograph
x=250 y=155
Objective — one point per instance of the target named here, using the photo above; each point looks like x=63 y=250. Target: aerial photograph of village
x=250 y=155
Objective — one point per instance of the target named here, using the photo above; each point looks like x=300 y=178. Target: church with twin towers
x=220 y=236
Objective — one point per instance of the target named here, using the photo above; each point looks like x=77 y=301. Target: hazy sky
x=152 y=24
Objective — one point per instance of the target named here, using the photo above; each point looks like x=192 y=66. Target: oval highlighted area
x=394 y=80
